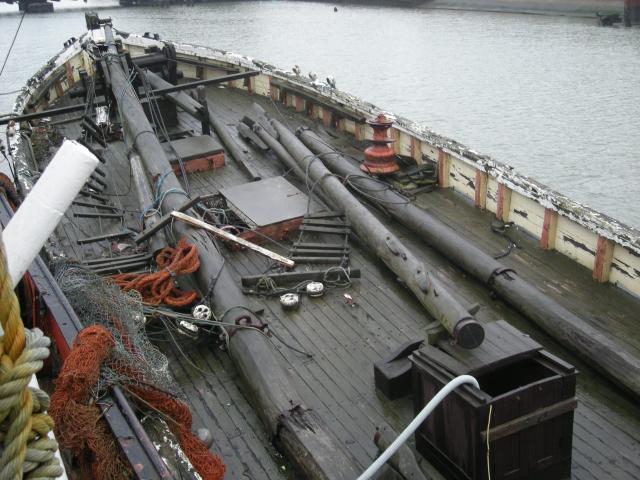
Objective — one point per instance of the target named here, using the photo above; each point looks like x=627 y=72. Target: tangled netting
x=101 y=302
x=158 y=287
x=115 y=351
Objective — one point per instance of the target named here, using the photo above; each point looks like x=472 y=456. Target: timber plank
x=219 y=403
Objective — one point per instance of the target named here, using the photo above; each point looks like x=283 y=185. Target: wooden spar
x=434 y=296
x=261 y=130
x=8 y=118
x=302 y=434
x=194 y=222
x=191 y=106
x=210 y=81
x=166 y=89
x=598 y=350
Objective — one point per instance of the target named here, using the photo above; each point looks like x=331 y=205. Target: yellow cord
x=25 y=426
x=488 y=447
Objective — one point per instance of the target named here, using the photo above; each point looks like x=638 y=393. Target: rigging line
x=13 y=42
x=157 y=114
x=11 y=92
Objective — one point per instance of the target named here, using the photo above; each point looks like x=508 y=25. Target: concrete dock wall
x=577 y=8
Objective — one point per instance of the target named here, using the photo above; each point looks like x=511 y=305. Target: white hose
x=416 y=422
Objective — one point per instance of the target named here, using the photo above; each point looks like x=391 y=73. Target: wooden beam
x=549 y=230
x=326 y=116
x=529 y=420
x=416 y=150
x=503 y=203
x=194 y=222
x=209 y=81
x=481 y=189
x=443 y=169
x=603 y=259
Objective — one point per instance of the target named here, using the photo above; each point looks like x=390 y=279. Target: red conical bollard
x=379 y=158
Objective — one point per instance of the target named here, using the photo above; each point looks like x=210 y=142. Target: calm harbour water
x=556 y=98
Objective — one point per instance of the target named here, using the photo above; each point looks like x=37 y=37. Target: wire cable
x=4 y=64
x=12 y=92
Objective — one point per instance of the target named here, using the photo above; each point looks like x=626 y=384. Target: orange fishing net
x=179 y=420
x=158 y=287
x=79 y=425
x=81 y=428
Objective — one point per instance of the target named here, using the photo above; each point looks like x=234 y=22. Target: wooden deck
x=345 y=340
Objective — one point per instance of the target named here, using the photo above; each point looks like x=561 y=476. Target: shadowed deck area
x=345 y=340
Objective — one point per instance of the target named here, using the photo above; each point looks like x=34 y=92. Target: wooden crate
x=530 y=392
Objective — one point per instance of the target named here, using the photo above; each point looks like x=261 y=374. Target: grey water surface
x=557 y=98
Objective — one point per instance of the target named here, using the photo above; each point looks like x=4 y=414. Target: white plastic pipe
x=45 y=205
x=416 y=422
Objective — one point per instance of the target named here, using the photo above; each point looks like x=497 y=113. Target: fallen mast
x=592 y=346
x=428 y=289
x=301 y=434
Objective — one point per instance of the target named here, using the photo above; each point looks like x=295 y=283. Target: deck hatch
x=266 y=202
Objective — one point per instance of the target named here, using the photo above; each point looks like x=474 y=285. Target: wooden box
x=531 y=395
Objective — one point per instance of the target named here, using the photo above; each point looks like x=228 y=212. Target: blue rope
x=159 y=195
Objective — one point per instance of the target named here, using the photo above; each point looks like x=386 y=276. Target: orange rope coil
x=158 y=287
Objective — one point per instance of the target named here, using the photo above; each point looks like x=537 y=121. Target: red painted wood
x=69 y=71
x=202 y=164
x=478 y=189
x=310 y=109
x=53 y=330
x=599 y=271
x=277 y=231
x=59 y=89
x=500 y=202
x=274 y=93
x=326 y=117
x=443 y=181
x=546 y=226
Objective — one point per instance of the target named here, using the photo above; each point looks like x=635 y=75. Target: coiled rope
x=158 y=287
x=27 y=450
